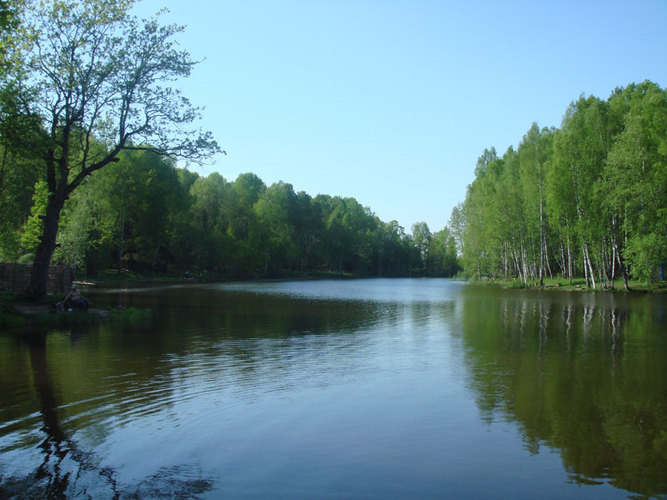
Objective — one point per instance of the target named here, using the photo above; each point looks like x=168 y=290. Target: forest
x=93 y=135
x=586 y=200
x=145 y=214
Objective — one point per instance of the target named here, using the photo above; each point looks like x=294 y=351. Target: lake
x=380 y=388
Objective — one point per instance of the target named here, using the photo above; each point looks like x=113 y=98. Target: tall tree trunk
x=613 y=266
x=120 y=244
x=47 y=245
x=570 y=260
x=617 y=253
x=542 y=242
x=517 y=261
x=524 y=260
x=563 y=260
x=155 y=254
x=586 y=276
x=624 y=271
x=546 y=260
x=590 y=275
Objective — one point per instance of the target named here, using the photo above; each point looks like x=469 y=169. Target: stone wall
x=17 y=277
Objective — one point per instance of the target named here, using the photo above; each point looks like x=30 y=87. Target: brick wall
x=17 y=277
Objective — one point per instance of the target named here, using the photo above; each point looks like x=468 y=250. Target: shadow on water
x=191 y=324
x=244 y=314
x=585 y=375
x=68 y=470
x=55 y=446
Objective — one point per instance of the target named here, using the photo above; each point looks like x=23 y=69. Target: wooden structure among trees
x=17 y=277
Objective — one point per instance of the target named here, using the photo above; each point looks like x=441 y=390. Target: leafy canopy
x=94 y=72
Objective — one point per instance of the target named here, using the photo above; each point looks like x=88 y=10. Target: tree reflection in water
x=55 y=446
x=578 y=376
x=67 y=471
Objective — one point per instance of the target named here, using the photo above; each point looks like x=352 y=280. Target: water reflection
x=61 y=462
x=278 y=386
x=54 y=446
x=582 y=374
x=90 y=383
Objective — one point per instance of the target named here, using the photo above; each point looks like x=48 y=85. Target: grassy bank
x=577 y=285
x=19 y=311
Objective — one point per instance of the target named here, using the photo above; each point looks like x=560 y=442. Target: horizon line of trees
x=89 y=115
x=145 y=214
x=88 y=120
x=80 y=82
x=586 y=200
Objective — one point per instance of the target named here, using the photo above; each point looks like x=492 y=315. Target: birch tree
x=635 y=181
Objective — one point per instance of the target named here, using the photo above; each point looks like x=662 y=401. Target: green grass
x=577 y=284
x=12 y=318
x=132 y=315
x=128 y=316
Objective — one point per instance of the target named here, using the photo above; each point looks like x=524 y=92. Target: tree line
x=145 y=214
x=90 y=125
x=586 y=200
x=90 y=129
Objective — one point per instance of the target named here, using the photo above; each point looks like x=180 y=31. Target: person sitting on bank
x=76 y=299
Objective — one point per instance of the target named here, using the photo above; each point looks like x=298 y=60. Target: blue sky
x=392 y=102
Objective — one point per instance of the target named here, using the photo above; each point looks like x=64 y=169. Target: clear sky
x=392 y=102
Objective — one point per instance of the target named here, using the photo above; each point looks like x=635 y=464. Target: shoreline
x=559 y=284
x=577 y=285
x=19 y=313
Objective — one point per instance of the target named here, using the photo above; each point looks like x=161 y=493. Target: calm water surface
x=410 y=388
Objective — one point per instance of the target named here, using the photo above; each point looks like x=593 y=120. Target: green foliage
x=586 y=200
x=18 y=176
x=33 y=227
x=9 y=31
x=636 y=175
x=6 y=14
x=144 y=215
x=126 y=210
x=645 y=253
x=442 y=255
x=93 y=81
x=422 y=238
x=73 y=237
x=132 y=316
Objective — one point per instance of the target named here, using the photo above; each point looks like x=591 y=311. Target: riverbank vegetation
x=587 y=200
x=146 y=215
x=91 y=130
x=80 y=82
x=576 y=284
x=18 y=310
x=90 y=136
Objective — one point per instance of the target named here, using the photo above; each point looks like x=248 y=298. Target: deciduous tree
x=95 y=72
